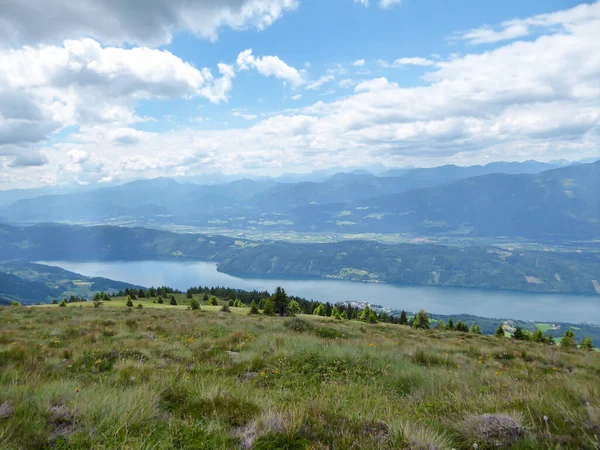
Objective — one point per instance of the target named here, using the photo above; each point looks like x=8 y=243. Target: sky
x=104 y=91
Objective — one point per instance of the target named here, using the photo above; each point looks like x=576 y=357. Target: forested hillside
x=471 y=266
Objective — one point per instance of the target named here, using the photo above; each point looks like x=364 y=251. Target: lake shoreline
x=487 y=303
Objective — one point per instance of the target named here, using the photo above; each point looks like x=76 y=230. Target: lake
x=486 y=303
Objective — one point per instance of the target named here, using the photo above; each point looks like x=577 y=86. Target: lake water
x=494 y=304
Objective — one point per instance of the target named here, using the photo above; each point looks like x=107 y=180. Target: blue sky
x=98 y=93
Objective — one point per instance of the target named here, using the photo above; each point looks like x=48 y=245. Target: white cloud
x=46 y=88
x=313 y=85
x=359 y=63
x=536 y=99
x=244 y=115
x=401 y=62
x=297 y=97
x=347 y=83
x=517 y=28
x=382 y=3
x=389 y=3
x=149 y=22
x=270 y=66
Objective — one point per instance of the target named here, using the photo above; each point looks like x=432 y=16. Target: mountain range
x=499 y=199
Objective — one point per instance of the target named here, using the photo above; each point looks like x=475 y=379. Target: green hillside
x=168 y=377
x=409 y=264
x=30 y=283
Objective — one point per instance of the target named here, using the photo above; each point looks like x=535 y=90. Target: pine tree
x=129 y=303
x=372 y=318
x=520 y=334
x=160 y=300
x=213 y=301
x=293 y=307
x=403 y=318
x=421 y=320
x=173 y=302
x=568 y=340
x=63 y=303
x=195 y=305
x=538 y=336
x=205 y=297
x=364 y=315
x=499 y=331
x=462 y=327
x=587 y=344
x=253 y=308
x=319 y=310
x=269 y=309
x=450 y=325
x=335 y=313
x=189 y=294
x=281 y=301
x=475 y=329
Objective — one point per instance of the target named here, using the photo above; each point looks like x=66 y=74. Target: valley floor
x=167 y=377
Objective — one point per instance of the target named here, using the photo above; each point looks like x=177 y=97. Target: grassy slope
x=168 y=377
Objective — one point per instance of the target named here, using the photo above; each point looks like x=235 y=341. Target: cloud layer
x=138 y=22
x=535 y=98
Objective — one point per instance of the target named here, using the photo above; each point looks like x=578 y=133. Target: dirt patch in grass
x=61 y=421
x=6 y=410
x=500 y=430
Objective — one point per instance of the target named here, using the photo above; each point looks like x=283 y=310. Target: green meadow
x=169 y=377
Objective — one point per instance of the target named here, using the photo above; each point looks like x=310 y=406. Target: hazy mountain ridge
x=560 y=203
x=245 y=201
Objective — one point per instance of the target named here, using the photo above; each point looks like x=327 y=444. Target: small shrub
x=129 y=303
x=298 y=325
x=160 y=300
x=63 y=303
x=225 y=308
x=195 y=305
x=213 y=301
x=15 y=303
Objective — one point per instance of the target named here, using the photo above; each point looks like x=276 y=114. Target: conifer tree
x=587 y=344
x=499 y=331
x=568 y=340
x=421 y=320
x=403 y=319
x=253 y=308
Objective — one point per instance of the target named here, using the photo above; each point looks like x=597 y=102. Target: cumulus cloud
x=45 y=88
x=538 y=99
x=138 y=22
x=359 y=63
x=270 y=66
